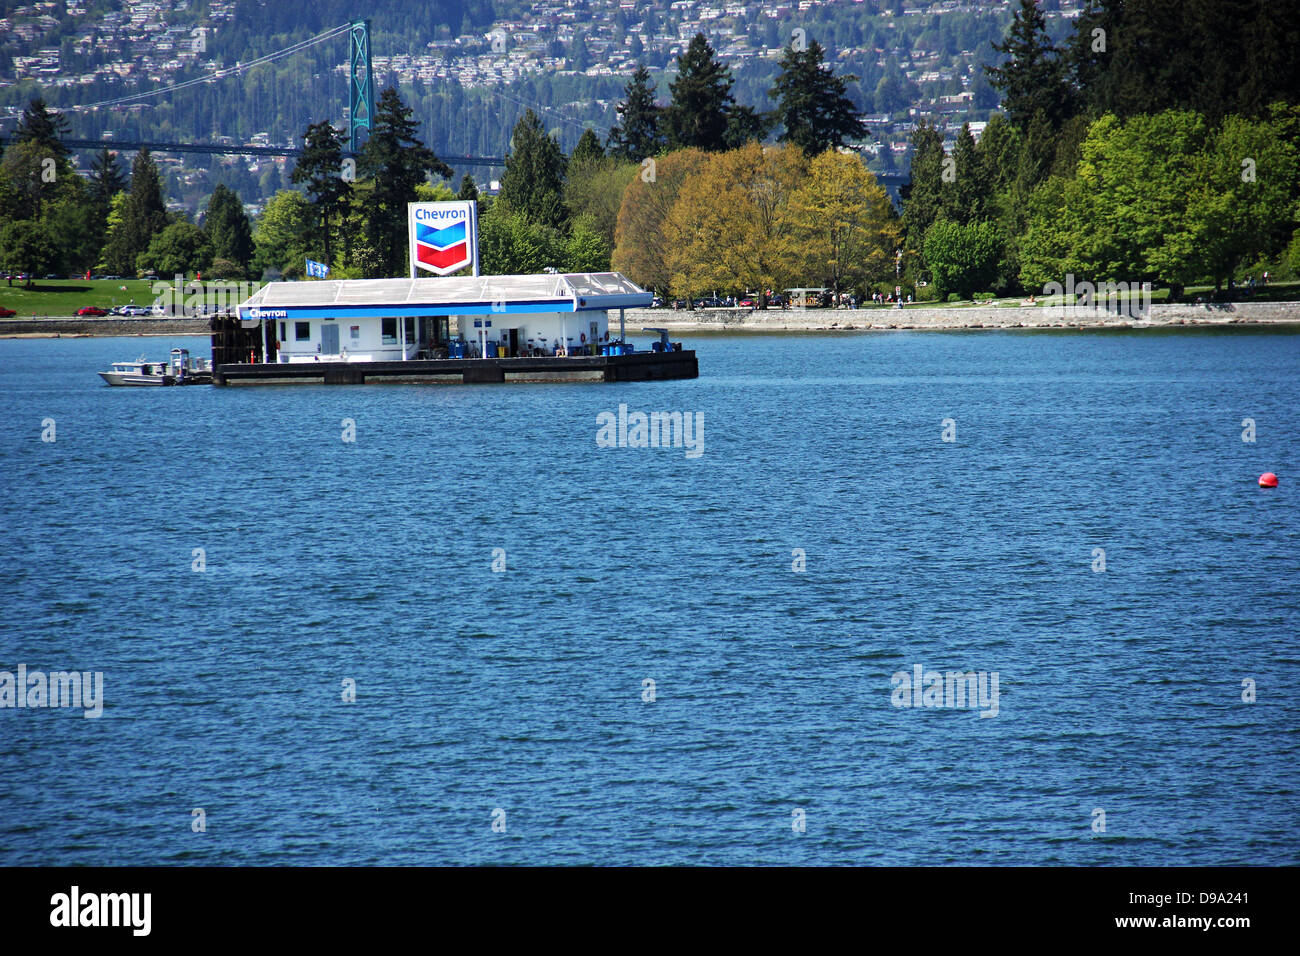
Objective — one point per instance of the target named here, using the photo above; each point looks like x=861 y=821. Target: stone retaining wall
x=778 y=320
x=110 y=326
x=958 y=317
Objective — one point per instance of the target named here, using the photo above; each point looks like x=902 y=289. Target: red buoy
x=1268 y=480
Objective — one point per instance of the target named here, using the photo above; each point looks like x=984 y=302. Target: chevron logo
x=442 y=250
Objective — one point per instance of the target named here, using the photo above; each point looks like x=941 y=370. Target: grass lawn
x=65 y=296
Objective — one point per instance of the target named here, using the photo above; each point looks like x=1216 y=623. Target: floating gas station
x=550 y=327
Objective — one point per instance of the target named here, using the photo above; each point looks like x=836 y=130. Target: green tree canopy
x=329 y=188
x=396 y=161
x=637 y=134
x=106 y=179
x=228 y=231
x=1032 y=78
x=588 y=147
x=533 y=182
x=144 y=215
x=812 y=103
x=278 y=235
x=468 y=188
x=924 y=194
x=510 y=243
x=28 y=246
x=962 y=259
x=43 y=127
x=701 y=99
x=180 y=248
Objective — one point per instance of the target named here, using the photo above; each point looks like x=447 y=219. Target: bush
x=963 y=259
x=954 y=297
x=1291 y=260
x=225 y=269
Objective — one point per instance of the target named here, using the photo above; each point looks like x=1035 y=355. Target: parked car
x=6 y=313
x=656 y=303
x=92 y=310
x=746 y=303
x=134 y=310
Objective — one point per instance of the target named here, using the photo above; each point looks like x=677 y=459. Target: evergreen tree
x=924 y=195
x=745 y=125
x=701 y=99
x=468 y=188
x=588 y=148
x=42 y=126
x=229 y=233
x=533 y=182
x=397 y=161
x=321 y=167
x=144 y=215
x=637 y=133
x=1217 y=57
x=970 y=193
x=1088 y=52
x=30 y=178
x=1032 y=79
x=812 y=103
x=106 y=179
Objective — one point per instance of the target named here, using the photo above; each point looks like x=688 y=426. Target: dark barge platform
x=637 y=367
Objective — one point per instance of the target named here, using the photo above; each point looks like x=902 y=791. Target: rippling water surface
x=523 y=690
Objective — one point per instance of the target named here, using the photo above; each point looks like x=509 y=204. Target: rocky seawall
x=779 y=320
x=956 y=317
x=55 y=328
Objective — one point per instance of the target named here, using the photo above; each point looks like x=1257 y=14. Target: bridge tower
x=361 y=98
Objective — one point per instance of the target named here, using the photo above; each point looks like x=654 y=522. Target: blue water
x=522 y=690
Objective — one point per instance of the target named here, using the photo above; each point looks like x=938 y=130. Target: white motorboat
x=139 y=372
x=179 y=369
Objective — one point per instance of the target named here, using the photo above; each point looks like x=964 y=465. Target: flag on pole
x=318 y=269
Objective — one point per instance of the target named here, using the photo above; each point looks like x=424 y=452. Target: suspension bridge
x=361 y=106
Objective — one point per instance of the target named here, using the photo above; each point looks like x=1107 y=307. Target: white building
x=393 y=320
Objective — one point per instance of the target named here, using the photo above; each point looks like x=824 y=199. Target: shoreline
x=955 y=318
x=745 y=321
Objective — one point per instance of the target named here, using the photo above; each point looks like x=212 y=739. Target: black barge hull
x=638 y=367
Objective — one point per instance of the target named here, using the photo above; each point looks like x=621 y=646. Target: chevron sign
x=443 y=237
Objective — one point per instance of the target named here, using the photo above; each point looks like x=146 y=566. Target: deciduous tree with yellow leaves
x=640 y=249
x=839 y=227
x=723 y=232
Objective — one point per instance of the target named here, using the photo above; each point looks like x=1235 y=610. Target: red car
x=6 y=313
x=92 y=310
